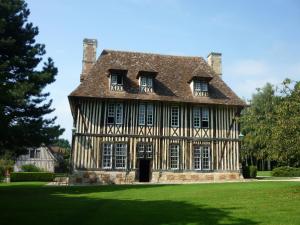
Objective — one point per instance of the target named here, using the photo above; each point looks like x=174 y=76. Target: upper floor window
x=174 y=116
x=200 y=88
x=115 y=113
x=116 y=82
x=34 y=153
x=146 y=84
x=146 y=114
x=200 y=117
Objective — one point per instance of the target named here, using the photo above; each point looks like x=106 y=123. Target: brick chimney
x=89 y=56
x=214 y=59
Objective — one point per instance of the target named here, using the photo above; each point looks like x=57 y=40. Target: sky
x=259 y=40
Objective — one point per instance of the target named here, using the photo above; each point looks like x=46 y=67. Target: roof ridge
x=149 y=53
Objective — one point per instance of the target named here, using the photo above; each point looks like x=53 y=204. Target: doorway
x=144 y=170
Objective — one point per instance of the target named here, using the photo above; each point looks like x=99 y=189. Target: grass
x=230 y=203
x=264 y=173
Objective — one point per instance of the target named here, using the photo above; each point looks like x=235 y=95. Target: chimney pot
x=89 y=56
x=214 y=59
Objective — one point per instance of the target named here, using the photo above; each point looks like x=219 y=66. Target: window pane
x=142 y=112
x=107 y=156
x=197 y=86
x=111 y=113
x=196 y=117
x=31 y=154
x=37 y=154
x=120 y=154
x=203 y=86
x=205 y=118
x=149 y=82
x=150 y=114
x=114 y=79
x=197 y=157
x=119 y=79
x=119 y=113
x=174 y=156
x=175 y=116
x=143 y=81
x=205 y=158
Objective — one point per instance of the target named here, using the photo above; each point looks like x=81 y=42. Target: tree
x=23 y=104
x=256 y=123
x=286 y=129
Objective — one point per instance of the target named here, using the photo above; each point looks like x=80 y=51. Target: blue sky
x=259 y=40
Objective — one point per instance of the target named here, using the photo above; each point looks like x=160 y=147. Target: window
x=201 y=157
x=118 y=152
x=174 y=116
x=107 y=156
x=120 y=156
x=146 y=84
x=200 y=88
x=197 y=157
x=115 y=113
x=146 y=114
x=205 y=118
x=197 y=117
x=142 y=113
x=116 y=83
x=205 y=158
x=174 y=156
x=34 y=153
x=200 y=117
x=144 y=150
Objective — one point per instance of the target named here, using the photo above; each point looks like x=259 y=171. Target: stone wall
x=119 y=177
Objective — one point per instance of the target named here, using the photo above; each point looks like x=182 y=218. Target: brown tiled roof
x=170 y=84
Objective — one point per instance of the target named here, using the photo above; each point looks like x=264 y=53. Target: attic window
x=116 y=82
x=200 y=88
x=146 y=84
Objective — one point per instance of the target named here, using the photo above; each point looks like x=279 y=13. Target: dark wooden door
x=144 y=170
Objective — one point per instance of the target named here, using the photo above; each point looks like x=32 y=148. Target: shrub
x=31 y=168
x=6 y=165
x=249 y=171
x=286 y=171
x=31 y=176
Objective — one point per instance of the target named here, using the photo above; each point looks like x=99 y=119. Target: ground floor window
x=201 y=157
x=118 y=152
x=174 y=156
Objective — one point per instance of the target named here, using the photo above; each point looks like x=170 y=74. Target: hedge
x=31 y=176
x=31 y=168
x=286 y=171
x=249 y=171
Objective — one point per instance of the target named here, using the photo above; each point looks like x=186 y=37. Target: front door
x=144 y=170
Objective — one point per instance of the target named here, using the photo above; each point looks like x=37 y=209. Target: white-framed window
x=146 y=84
x=201 y=157
x=116 y=82
x=174 y=156
x=146 y=114
x=200 y=86
x=205 y=118
x=107 y=156
x=197 y=157
x=200 y=117
x=114 y=113
x=196 y=117
x=205 y=157
x=120 y=155
x=119 y=113
x=34 y=153
x=174 y=116
x=142 y=114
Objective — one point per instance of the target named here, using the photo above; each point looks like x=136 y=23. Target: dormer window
x=116 y=82
x=146 y=84
x=200 y=88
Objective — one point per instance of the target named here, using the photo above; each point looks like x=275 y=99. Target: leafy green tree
x=286 y=129
x=256 y=124
x=23 y=104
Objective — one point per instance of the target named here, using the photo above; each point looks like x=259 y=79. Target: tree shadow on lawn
x=61 y=205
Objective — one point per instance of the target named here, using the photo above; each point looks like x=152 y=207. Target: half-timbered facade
x=153 y=118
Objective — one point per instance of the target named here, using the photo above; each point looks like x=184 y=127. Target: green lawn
x=264 y=173
x=230 y=203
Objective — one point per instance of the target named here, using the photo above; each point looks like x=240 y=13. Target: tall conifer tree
x=23 y=104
